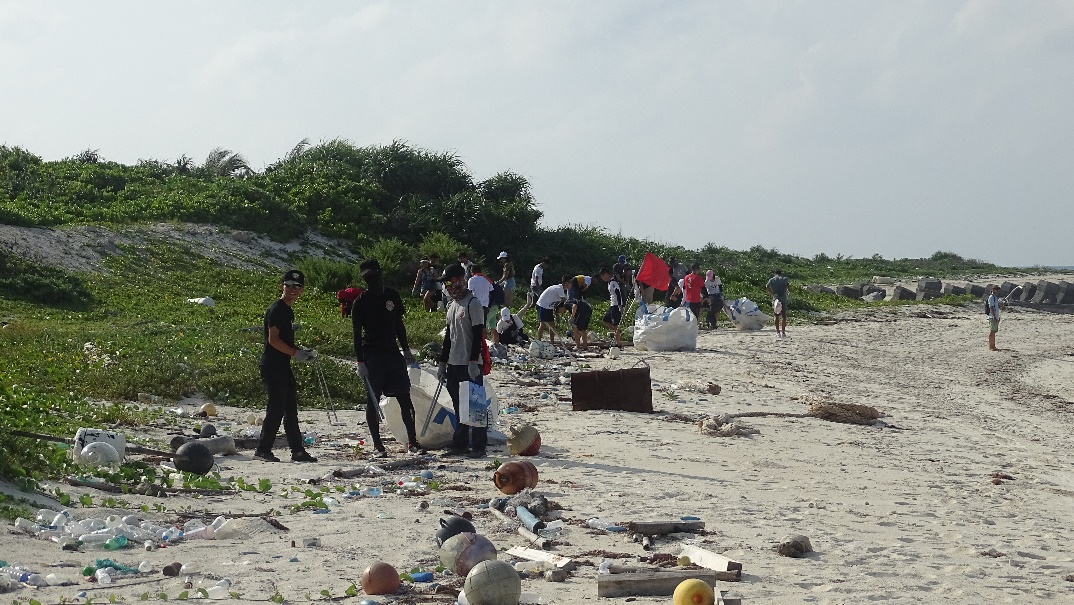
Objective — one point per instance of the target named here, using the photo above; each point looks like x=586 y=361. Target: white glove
x=441 y=371
x=362 y=371
x=474 y=369
x=305 y=355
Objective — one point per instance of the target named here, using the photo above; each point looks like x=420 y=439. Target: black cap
x=294 y=277
x=370 y=267
x=453 y=271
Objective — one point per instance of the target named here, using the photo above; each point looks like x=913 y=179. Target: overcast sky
x=844 y=127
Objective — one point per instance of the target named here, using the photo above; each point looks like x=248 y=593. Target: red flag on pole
x=654 y=272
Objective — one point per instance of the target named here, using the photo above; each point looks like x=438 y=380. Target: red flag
x=654 y=272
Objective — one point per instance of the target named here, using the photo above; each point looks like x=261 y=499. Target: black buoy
x=193 y=457
x=453 y=526
x=208 y=430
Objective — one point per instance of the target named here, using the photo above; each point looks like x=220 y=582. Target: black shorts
x=585 y=313
x=546 y=315
x=387 y=373
x=613 y=315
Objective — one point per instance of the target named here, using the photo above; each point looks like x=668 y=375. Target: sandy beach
x=904 y=511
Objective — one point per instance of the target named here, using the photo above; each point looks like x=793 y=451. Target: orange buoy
x=513 y=477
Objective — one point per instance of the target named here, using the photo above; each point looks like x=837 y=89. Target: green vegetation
x=72 y=341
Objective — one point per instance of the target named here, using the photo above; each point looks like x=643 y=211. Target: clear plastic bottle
x=145 y=567
x=26 y=525
x=371 y=491
x=16 y=574
x=104 y=576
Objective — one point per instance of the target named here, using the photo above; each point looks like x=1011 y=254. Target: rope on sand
x=834 y=411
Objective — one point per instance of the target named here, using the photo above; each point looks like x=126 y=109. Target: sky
x=839 y=127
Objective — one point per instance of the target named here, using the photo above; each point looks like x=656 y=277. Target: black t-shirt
x=279 y=315
x=377 y=320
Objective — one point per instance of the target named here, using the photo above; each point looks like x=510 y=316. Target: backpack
x=346 y=298
x=486 y=358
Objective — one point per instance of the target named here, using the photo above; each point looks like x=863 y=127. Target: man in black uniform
x=276 y=372
x=377 y=318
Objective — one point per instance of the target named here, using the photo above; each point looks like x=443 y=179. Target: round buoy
x=208 y=430
x=525 y=440
x=177 y=442
x=99 y=453
x=193 y=457
x=693 y=592
x=493 y=583
x=380 y=578
x=513 y=477
x=208 y=409
x=460 y=553
x=451 y=527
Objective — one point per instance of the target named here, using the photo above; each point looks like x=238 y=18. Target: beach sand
x=902 y=512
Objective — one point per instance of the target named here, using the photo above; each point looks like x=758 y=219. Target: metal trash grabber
x=330 y=408
x=372 y=397
x=432 y=408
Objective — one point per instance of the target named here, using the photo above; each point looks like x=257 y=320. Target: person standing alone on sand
x=778 y=288
x=276 y=372
x=993 y=317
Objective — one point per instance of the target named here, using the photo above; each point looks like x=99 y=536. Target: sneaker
x=266 y=456
x=456 y=451
x=380 y=453
x=302 y=456
x=416 y=450
x=476 y=454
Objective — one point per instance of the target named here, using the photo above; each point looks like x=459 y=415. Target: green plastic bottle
x=115 y=543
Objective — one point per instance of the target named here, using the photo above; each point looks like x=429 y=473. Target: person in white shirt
x=550 y=301
x=480 y=286
x=614 y=315
x=509 y=327
x=993 y=317
x=537 y=281
x=714 y=291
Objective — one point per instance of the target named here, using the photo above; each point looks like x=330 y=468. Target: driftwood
x=116 y=489
x=133 y=449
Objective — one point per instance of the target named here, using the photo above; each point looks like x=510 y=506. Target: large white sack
x=442 y=425
x=665 y=329
x=747 y=316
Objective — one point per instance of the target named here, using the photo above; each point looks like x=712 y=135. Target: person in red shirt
x=693 y=288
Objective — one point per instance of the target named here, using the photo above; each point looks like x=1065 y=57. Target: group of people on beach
x=474 y=305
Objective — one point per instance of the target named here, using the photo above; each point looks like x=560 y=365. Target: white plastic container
x=86 y=436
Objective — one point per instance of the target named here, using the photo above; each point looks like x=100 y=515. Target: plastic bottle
x=36 y=579
x=202 y=533
x=372 y=491
x=218 y=592
x=94 y=540
x=605 y=566
x=16 y=574
x=145 y=567
x=25 y=524
x=229 y=530
x=115 y=543
x=104 y=576
x=55 y=579
x=190 y=568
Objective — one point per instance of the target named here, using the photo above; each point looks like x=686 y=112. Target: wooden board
x=649 y=584
x=662 y=528
x=711 y=560
x=539 y=555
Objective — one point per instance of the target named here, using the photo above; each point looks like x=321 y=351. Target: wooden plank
x=711 y=560
x=649 y=584
x=662 y=528
x=539 y=555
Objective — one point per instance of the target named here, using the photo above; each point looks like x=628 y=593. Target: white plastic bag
x=474 y=404
x=747 y=316
x=665 y=329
